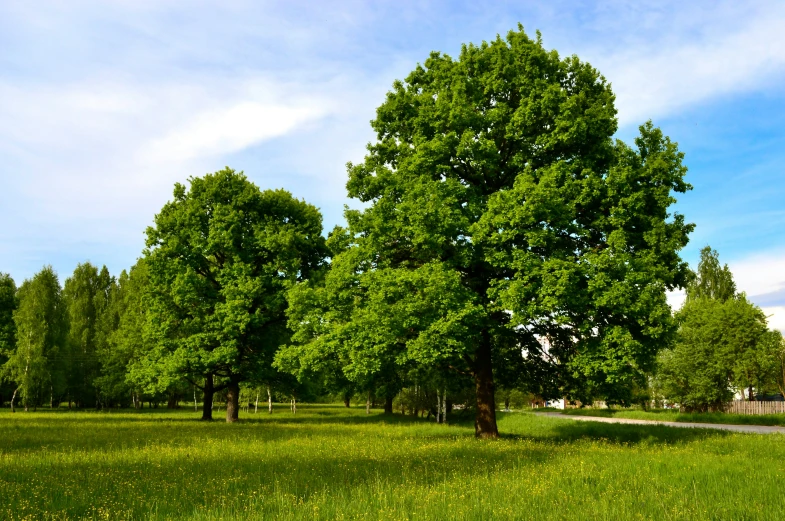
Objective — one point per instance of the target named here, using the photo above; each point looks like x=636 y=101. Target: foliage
x=220 y=258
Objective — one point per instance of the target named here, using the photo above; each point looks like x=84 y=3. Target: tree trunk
x=195 y=408
x=485 y=421
x=207 y=401
x=438 y=406
x=269 y=400
x=347 y=400
x=294 y=405
x=13 y=397
x=750 y=395
x=256 y=403
x=444 y=405
x=368 y=403
x=388 y=405
x=507 y=403
x=448 y=408
x=232 y=400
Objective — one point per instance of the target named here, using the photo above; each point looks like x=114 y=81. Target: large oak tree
x=505 y=234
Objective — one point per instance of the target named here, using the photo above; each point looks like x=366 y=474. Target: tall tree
x=120 y=336
x=7 y=327
x=497 y=198
x=41 y=330
x=220 y=258
x=86 y=295
x=712 y=280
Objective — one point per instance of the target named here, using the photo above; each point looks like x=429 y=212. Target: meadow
x=328 y=462
x=673 y=415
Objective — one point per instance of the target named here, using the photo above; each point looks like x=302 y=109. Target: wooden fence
x=744 y=407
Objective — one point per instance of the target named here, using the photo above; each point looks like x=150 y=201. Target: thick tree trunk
x=207 y=401
x=485 y=421
x=750 y=395
x=232 y=400
x=347 y=400
x=269 y=401
x=388 y=405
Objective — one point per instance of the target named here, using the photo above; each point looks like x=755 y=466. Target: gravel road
x=757 y=429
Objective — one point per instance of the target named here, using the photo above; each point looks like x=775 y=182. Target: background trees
x=41 y=330
x=8 y=304
x=86 y=297
x=722 y=346
x=220 y=257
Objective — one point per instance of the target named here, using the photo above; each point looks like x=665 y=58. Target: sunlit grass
x=331 y=463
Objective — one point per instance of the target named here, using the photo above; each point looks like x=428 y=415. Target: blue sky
x=104 y=105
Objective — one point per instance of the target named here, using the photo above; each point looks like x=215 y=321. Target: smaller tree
x=221 y=257
x=721 y=343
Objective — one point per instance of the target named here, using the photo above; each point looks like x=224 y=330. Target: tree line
x=506 y=242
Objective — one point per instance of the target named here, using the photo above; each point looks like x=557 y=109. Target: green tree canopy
x=220 y=258
x=499 y=213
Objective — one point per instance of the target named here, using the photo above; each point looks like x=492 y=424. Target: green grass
x=676 y=416
x=330 y=463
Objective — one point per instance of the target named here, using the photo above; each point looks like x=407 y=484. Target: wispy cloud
x=727 y=51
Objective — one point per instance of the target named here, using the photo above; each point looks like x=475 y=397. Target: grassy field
x=676 y=416
x=331 y=463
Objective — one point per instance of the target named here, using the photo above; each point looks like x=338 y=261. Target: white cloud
x=229 y=129
x=676 y=298
x=678 y=70
x=776 y=317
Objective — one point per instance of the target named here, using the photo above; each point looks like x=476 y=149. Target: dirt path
x=757 y=429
